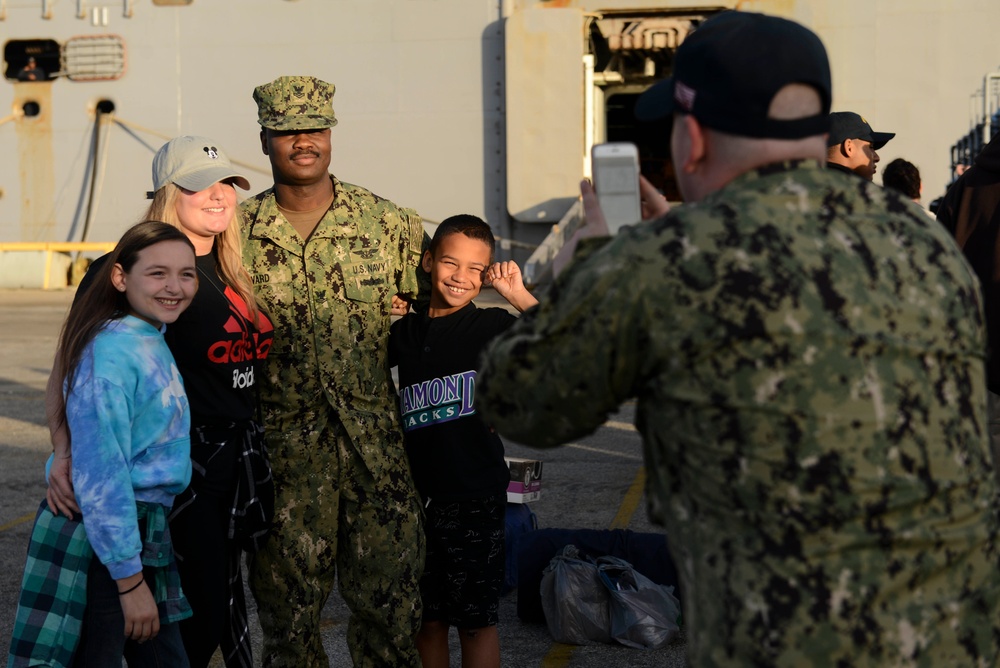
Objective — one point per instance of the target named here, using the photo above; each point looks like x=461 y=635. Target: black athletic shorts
x=464 y=571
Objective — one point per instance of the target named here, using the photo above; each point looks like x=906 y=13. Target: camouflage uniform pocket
x=277 y=296
x=367 y=281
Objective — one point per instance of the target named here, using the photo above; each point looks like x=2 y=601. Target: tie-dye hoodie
x=129 y=426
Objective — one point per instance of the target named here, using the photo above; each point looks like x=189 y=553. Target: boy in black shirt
x=456 y=458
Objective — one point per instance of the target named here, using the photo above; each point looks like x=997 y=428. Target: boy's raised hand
x=505 y=277
x=506 y=280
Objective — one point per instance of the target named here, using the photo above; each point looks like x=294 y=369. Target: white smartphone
x=615 y=167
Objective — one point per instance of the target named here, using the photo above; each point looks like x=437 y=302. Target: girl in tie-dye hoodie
x=129 y=418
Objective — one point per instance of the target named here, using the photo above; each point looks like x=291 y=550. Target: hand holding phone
x=616 y=180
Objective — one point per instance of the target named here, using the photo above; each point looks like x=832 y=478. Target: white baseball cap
x=193 y=163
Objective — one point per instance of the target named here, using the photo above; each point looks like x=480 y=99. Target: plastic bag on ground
x=574 y=600
x=643 y=614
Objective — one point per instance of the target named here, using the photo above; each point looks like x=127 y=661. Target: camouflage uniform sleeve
x=413 y=283
x=587 y=247
x=570 y=361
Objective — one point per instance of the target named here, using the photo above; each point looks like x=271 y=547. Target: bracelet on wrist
x=132 y=588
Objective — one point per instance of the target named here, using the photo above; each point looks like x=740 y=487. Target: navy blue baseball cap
x=727 y=72
x=849 y=125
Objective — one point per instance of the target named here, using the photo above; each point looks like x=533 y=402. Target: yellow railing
x=50 y=247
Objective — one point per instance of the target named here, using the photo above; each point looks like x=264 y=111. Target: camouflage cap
x=295 y=103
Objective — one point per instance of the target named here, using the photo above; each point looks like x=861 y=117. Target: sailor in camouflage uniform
x=327 y=258
x=807 y=354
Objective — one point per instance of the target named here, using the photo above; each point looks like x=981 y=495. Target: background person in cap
x=828 y=502
x=852 y=145
x=327 y=257
x=218 y=343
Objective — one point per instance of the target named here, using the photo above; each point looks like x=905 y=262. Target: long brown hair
x=102 y=301
x=227 y=249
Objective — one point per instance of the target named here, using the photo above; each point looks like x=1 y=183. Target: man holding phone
x=806 y=350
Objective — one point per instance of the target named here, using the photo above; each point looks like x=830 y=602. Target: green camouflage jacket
x=329 y=299
x=807 y=352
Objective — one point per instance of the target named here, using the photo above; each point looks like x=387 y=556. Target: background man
x=31 y=71
x=852 y=144
x=810 y=396
x=326 y=258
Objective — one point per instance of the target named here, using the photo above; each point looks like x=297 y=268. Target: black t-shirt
x=216 y=347
x=453 y=453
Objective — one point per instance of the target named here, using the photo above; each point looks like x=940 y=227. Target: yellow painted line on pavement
x=560 y=655
x=631 y=501
x=590 y=448
x=19 y=521
x=624 y=426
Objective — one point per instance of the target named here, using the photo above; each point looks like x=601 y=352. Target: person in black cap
x=806 y=351
x=852 y=145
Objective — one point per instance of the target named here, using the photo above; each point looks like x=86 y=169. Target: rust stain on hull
x=36 y=160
